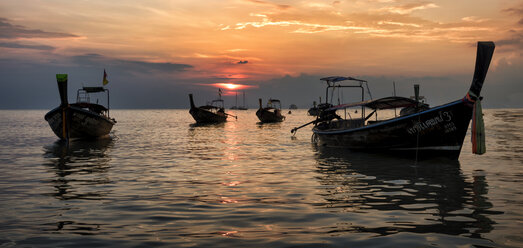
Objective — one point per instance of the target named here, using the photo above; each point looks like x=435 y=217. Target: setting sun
x=231 y=86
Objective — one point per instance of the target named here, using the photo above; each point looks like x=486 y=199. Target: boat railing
x=218 y=103
x=273 y=103
x=343 y=124
x=83 y=95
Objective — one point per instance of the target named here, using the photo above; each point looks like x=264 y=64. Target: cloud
x=386 y=25
x=399 y=24
x=97 y=60
x=515 y=40
x=9 y=31
x=242 y=62
x=303 y=27
x=516 y=11
x=17 y=45
x=279 y=6
x=409 y=8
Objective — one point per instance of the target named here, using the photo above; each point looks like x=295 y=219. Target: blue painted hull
x=437 y=132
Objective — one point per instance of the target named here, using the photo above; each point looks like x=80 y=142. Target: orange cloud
x=279 y=6
x=409 y=8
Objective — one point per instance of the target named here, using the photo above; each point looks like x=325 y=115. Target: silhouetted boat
x=210 y=113
x=293 y=106
x=271 y=113
x=421 y=131
x=82 y=119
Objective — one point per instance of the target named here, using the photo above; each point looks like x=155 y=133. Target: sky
x=156 y=52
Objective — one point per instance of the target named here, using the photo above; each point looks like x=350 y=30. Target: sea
x=161 y=181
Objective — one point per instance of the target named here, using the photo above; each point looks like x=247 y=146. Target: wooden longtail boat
x=271 y=113
x=213 y=112
x=420 y=131
x=83 y=119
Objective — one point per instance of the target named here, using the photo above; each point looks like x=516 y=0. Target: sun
x=230 y=86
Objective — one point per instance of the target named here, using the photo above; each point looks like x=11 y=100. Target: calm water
x=162 y=182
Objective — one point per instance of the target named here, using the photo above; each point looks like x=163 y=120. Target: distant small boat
x=243 y=107
x=419 y=130
x=271 y=113
x=82 y=119
x=293 y=106
x=210 y=113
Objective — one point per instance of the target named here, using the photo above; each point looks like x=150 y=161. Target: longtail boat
x=213 y=112
x=271 y=113
x=418 y=131
x=80 y=120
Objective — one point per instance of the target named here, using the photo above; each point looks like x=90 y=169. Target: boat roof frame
x=274 y=101
x=88 y=90
x=390 y=102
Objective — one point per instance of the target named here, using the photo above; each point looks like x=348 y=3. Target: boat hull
x=437 y=132
x=267 y=116
x=83 y=124
x=204 y=116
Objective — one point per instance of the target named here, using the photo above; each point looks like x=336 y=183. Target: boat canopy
x=382 y=103
x=335 y=79
x=93 y=89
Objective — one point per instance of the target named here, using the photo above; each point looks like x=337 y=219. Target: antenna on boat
x=416 y=92
x=394 y=92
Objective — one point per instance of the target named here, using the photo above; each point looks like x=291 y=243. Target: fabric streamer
x=478 y=126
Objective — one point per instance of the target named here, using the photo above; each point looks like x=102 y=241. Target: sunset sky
x=157 y=51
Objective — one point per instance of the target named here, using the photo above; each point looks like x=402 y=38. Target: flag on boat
x=105 y=81
x=220 y=92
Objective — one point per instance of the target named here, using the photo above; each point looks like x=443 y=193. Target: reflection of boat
x=77 y=163
x=81 y=173
x=271 y=113
x=432 y=196
x=210 y=113
x=243 y=107
x=83 y=119
x=422 y=132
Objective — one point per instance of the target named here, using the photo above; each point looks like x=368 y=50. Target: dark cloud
x=279 y=6
x=516 y=11
x=25 y=46
x=10 y=31
x=29 y=84
x=513 y=41
x=242 y=62
x=97 y=60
